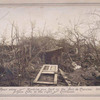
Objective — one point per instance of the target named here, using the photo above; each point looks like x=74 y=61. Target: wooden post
x=19 y=79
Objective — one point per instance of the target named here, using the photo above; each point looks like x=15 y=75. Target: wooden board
x=47 y=69
x=65 y=77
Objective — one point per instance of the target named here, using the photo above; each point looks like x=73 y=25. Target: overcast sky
x=50 y=16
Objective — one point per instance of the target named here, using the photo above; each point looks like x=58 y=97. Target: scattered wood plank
x=65 y=77
x=42 y=82
x=55 y=76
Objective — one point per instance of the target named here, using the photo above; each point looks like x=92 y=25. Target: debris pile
x=20 y=64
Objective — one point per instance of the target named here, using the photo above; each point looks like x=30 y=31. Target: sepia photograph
x=49 y=45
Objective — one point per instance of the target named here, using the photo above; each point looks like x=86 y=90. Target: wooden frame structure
x=47 y=69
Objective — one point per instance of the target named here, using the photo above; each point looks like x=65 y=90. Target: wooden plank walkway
x=47 y=69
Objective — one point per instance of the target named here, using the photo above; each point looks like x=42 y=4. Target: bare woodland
x=21 y=61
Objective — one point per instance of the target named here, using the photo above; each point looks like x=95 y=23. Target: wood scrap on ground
x=76 y=66
x=46 y=73
x=65 y=77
